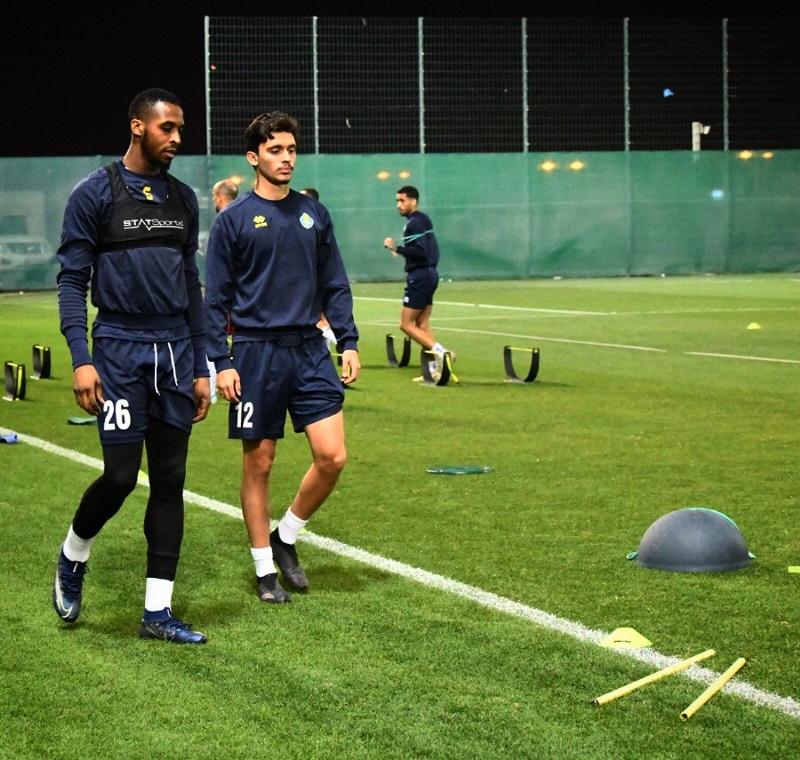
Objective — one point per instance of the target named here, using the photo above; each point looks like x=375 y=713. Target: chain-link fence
x=488 y=85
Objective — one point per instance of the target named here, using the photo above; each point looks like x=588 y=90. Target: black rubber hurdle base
x=41 y=362
x=446 y=372
x=405 y=357
x=508 y=360
x=15 y=382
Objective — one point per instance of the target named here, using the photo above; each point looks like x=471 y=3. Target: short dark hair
x=146 y=101
x=410 y=191
x=265 y=125
x=311 y=192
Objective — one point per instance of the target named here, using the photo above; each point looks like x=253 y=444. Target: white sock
x=438 y=348
x=158 y=594
x=289 y=526
x=76 y=549
x=262 y=558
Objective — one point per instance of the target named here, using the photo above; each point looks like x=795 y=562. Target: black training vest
x=134 y=224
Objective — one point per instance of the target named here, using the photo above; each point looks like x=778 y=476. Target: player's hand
x=390 y=244
x=351 y=366
x=88 y=389
x=202 y=398
x=228 y=385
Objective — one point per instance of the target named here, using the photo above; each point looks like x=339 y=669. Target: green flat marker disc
x=460 y=469
x=81 y=420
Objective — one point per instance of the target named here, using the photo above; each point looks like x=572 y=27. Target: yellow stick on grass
x=713 y=689
x=682 y=665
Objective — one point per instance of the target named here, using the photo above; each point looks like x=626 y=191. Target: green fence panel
x=496 y=216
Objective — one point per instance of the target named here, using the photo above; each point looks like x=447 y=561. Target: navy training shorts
x=301 y=380
x=421 y=284
x=143 y=381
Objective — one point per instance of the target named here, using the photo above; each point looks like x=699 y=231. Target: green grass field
x=449 y=616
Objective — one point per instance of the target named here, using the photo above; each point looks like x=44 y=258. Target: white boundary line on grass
x=650 y=657
x=739 y=356
x=444 y=328
x=472 y=331
x=495 y=306
x=600 y=345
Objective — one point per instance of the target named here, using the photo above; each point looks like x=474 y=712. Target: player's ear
x=252 y=158
x=137 y=127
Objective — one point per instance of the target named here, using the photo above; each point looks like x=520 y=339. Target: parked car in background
x=27 y=262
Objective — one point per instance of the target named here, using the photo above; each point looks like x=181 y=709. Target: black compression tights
x=167 y=448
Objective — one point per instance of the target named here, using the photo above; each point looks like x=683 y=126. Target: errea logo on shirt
x=151 y=224
x=260 y=221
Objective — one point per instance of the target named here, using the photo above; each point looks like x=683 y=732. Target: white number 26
x=117 y=416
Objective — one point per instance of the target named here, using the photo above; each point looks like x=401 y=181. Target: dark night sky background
x=68 y=75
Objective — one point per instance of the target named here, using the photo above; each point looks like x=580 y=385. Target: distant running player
x=421 y=253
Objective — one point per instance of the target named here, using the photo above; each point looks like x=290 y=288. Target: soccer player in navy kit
x=421 y=253
x=130 y=230
x=273 y=266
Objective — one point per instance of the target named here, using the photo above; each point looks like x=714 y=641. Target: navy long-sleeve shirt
x=273 y=267
x=144 y=291
x=419 y=247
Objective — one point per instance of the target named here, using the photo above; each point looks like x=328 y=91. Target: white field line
x=493 y=306
x=528 y=337
x=554 y=312
x=648 y=656
x=534 y=310
x=738 y=356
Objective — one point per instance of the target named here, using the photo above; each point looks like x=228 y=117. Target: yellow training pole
x=713 y=689
x=682 y=665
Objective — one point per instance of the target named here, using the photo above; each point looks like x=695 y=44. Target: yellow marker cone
x=625 y=638
x=754 y=326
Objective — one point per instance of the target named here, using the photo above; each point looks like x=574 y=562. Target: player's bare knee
x=332 y=464
x=259 y=469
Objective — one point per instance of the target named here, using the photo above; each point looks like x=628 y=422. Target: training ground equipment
x=445 y=373
x=405 y=358
x=15 y=382
x=693 y=540
x=41 y=362
x=657 y=676
x=713 y=689
x=460 y=469
x=508 y=360
x=625 y=638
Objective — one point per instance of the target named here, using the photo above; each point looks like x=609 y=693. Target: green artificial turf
x=653 y=394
